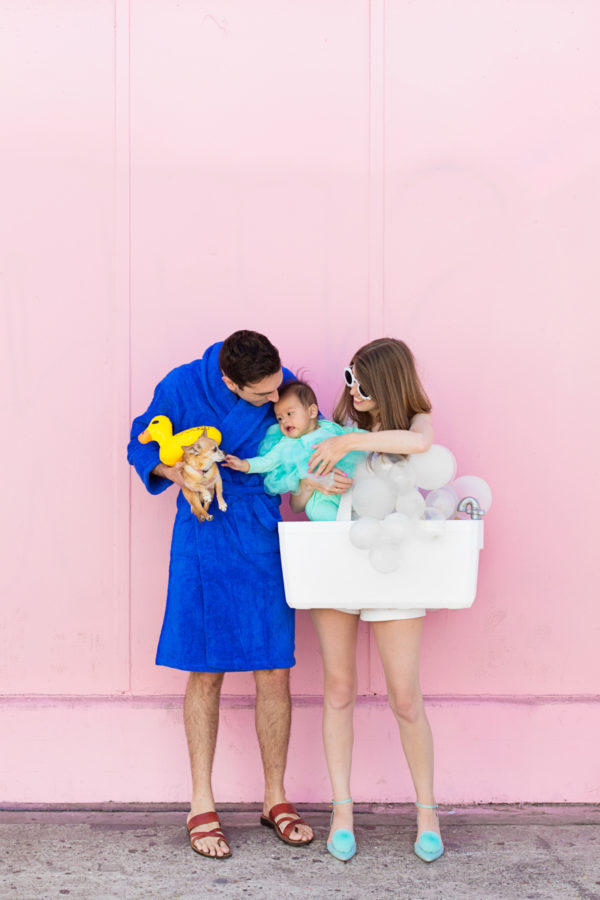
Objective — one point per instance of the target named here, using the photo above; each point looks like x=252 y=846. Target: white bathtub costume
x=382 y=615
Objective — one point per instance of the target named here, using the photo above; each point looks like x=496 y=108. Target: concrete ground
x=492 y=853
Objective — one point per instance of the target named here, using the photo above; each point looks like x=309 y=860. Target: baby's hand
x=233 y=462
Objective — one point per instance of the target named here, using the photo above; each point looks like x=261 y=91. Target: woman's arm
x=417 y=439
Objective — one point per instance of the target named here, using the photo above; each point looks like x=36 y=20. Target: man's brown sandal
x=283 y=818
x=196 y=835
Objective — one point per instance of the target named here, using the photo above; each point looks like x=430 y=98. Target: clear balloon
x=473 y=486
x=396 y=526
x=385 y=558
x=433 y=515
x=373 y=497
x=434 y=468
x=402 y=477
x=382 y=465
x=444 y=500
x=328 y=480
x=412 y=504
x=365 y=533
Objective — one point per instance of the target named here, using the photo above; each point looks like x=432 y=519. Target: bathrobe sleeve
x=145 y=457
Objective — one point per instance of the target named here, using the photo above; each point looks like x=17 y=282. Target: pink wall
x=324 y=172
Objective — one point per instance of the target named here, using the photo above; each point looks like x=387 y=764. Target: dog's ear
x=203 y=432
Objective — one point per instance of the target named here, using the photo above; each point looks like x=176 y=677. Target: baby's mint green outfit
x=285 y=462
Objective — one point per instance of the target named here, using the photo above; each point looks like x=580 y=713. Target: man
x=226 y=609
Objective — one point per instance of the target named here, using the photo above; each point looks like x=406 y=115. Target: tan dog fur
x=201 y=476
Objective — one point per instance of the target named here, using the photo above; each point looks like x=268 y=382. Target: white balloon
x=396 y=526
x=444 y=500
x=362 y=471
x=385 y=558
x=434 y=468
x=403 y=477
x=412 y=504
x=373 y=497
x=473 y=486
x=365 y=533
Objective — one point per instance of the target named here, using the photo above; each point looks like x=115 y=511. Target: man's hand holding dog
x=173 y=473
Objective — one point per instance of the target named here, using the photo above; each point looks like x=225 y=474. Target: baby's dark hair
x=301 y=390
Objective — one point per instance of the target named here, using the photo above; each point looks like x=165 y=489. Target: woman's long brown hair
x=386 y=371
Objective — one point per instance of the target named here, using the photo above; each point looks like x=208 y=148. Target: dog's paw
x=223 y=507
x=209 y=518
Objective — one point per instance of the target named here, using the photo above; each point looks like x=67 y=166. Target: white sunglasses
x=350 y=379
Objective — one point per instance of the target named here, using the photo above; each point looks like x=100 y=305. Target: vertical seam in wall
x=129 y=329
x=383 y=159
x=376 y=199
x=376 y=168
x=369 y=251
x=370 y=172
x=122 y=139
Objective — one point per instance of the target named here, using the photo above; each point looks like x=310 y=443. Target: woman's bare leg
x=398 y=642
x=337 y=633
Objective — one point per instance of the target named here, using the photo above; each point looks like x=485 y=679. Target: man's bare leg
x=273 y=719
x=201 y=716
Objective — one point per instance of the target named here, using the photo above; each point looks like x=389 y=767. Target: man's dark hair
x=247 y=357
x=301 y=390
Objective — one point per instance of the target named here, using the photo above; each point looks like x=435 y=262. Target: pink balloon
x=473 y=486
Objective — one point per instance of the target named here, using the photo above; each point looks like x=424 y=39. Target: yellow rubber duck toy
x=160 y=429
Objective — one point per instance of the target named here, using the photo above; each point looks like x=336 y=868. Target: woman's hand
x=339 y=485
x=327 y=453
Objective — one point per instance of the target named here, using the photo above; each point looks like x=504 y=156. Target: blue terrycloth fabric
x=226 y=609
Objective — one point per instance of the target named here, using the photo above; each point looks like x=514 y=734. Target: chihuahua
x=201 y=476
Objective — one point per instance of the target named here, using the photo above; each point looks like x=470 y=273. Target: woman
x=383 y=396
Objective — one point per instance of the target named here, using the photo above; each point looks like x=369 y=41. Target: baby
x=288 y=446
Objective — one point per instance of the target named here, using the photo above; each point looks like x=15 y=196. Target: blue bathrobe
x=226 y=609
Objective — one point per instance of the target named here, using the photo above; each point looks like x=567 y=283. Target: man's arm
x=172 y=473
x=145 y=457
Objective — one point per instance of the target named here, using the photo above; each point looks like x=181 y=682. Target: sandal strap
x=203 y=819
x=285 y=818
x=282 y=808
x=341 y=802
x=216 y=832
x=426 y=805
x=291 y=824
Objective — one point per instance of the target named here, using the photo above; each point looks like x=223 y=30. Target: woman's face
x=365 y=406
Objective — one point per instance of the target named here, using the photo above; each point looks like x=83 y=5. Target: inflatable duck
x=160 y=429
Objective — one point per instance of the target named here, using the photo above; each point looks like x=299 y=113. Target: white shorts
x=384 y=615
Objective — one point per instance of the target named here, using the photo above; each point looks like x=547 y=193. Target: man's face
x=260 y=392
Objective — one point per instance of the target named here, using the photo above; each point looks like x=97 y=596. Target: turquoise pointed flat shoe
x=342 y=844
x=429 y=846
